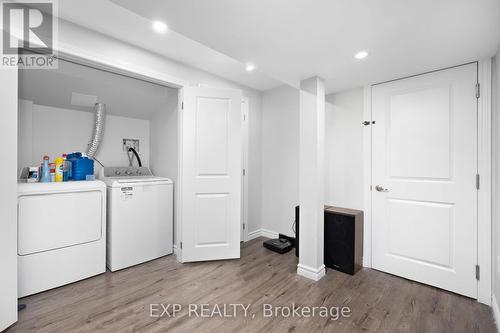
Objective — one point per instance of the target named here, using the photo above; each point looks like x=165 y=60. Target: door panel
x=211 y=174
x=410 y=115
x=212 y=129
x=425 y=163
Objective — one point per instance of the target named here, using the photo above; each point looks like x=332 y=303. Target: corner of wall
x=495 y=103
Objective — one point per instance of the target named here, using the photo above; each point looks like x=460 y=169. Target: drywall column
x=8 y=198
x=311 y=178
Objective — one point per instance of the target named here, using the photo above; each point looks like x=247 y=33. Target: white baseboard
x=496 y=312
x=253 y=234
x=175 y=249
x=268 y=233
x=262 y=233
x=311 y=273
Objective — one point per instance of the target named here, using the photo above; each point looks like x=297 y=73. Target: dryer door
x=52 y=221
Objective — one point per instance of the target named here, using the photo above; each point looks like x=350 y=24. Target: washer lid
x=120 y=181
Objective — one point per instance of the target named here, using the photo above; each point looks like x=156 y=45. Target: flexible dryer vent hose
x=100 y=114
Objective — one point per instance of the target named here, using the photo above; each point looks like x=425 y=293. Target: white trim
x=262 y=233
x=93 y=59
x=175 y=249
x=484 y=230
x=311 y=273
x=268 y=233
x=253 y=234
x=178 y=187
x=244 y=159
x=496 y=312
x=367 y=176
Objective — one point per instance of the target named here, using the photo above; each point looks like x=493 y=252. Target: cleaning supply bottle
x=52 y=167
x=45 y=178
x=59 y=169
x=66 y=168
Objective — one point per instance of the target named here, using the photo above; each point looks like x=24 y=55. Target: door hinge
x=478 y=90
x=243 y=226
x=181 y=245
x=182 y=106
x=478 y=179
x=477 y=272
x=244 y=117
x=244 y=172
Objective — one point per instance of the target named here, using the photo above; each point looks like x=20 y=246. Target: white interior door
x=424 y=165
x=210 y=174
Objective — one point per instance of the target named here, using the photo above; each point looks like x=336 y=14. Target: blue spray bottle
x=45 y=178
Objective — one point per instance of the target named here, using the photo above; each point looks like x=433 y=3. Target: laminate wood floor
x=120 y=301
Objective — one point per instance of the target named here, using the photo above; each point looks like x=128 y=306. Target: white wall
x=254 y=172
x=164 y=144
x=280 y=158
x=54 y=131
x=8 y=199
x=496 y=174
x=344 y=149
x=280 y=154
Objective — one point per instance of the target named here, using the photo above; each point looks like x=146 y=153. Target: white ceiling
x=110 y=19
x=292 y=40
x=123 y=96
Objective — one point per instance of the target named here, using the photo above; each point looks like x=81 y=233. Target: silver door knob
x=381 y=189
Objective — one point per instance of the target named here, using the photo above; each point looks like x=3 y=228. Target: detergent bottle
x=66 y=168
x=45 y=178
x=59 y=169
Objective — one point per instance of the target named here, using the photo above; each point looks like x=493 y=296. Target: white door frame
x=244 y=163
x=484 y=226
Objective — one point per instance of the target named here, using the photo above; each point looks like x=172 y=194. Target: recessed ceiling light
x=250 y=67
x=159 y=27
x=361 y=55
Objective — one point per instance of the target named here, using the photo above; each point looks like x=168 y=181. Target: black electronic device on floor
x=297 y=231
x=279 y=245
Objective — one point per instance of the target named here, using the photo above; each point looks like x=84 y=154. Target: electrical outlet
x=130 y=143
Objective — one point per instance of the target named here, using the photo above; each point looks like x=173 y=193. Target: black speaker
x=343 y=248
x=343 y=243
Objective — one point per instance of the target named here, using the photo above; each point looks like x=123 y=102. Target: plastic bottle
x=45 y=178
x=66 y=168
x=52 y=172
x=59 y=169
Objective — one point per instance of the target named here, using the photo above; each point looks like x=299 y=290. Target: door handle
x=381 y=189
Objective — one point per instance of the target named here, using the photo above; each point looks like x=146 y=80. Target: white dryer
x=61 y=233
x=140 y=216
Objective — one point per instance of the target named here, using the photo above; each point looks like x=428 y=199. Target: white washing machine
x=61 y=233
x=140 y=216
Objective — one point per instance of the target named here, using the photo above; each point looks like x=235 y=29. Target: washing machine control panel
x=126 y=172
